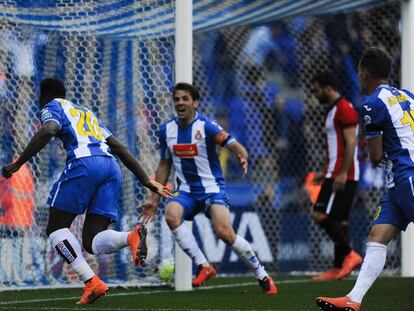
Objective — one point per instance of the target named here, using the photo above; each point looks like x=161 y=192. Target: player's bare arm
x=149 y=207
x=241 y=152
x=375 y=148
x=350 y=144
x=133 y=165
x=37 y=143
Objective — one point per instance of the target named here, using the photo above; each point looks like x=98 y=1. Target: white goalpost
x=407 y=81
x=183 y=73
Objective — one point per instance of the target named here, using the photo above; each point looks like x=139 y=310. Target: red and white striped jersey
x=341 y=115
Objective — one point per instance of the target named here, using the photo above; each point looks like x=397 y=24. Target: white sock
x=244 y=250
x=188 y=244
x=109 y=241
x=65 y=243
x=372 y=266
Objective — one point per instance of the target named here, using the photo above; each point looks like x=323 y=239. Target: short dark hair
x=51 y=88
x=190 y=88
x=325 y=78
x=377 y=62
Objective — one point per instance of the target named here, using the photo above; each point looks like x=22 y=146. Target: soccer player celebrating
x=332 y=208
x=389 y=128
x=188 y=142
x=89 y=183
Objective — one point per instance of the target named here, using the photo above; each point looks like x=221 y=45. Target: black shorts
x=336 y=204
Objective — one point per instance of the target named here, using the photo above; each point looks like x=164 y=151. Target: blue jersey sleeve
x=217 y=134
x=373 y=115
x=162 y=139
x=52 y=112
x=411 y=95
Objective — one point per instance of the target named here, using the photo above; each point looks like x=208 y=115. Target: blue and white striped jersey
x=193 y=153
x=390 y=112
x=80 y=131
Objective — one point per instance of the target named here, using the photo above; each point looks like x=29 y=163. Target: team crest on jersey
x=198 y=135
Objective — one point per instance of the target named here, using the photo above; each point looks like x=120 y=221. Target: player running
x=388 y=116
x=188 y=143
x=89 y=183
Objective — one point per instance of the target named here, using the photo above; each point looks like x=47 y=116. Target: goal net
x=255 y=81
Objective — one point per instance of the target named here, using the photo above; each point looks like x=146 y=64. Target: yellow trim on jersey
x=378 y=212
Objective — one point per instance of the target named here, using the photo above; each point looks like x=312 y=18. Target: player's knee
x=173 y=220
x=378 y=236
x=226 y=234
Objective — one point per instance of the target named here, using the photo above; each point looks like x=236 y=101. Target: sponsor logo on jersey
x=198 y=135
x=185 y=150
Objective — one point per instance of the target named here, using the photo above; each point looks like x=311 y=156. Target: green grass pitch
x=235 y=293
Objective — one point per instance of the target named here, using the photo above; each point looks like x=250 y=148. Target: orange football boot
x=204 y=274
x=337 y=304
x=268 y=286
x=94 y=288
x=137 y=240
x=351 y=261
x=328 y=275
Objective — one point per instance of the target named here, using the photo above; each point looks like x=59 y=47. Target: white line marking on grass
x=124 y=309
x=8 y=303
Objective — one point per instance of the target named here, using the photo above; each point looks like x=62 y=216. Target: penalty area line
x=210 y=287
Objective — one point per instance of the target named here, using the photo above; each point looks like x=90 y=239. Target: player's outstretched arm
x=241 y=152
x=37 y=143
x=149 y=207
x=133 y=165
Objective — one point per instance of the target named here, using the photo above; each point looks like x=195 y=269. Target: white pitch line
x=124 y=309
x=4 y=303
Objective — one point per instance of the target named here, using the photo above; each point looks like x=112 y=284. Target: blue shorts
x=397 y=205
x=90 y=184
x=196 y=203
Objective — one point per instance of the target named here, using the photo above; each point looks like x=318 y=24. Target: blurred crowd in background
x=259 y=88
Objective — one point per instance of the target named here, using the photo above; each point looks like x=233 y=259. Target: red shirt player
x=340 y=177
